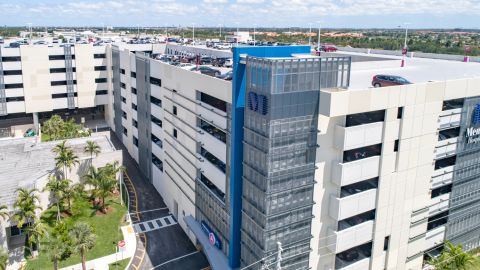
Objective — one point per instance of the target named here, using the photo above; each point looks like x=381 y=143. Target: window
x=11 y=59
x=12 y=72
x=122 y=85
x=124 y=115
x=59 y=57
x=122 y=71
x=100 y=68
x=400 y=113
x=437 y=220
x=395 y=146
x=63 y=95
x=445 y=162
x=362 y=152
x=358 y=187
x=157 y=162
x=13 y=99
x=448 y=133
x=134 y=123
x=133 y=74
x=365 y=118
x=124 y=100
x=135 y=141
x=210 y=186
x=57 y=83
x=125 y=131
x=156 y=101
x=61 y=70
x=100 y=80
x=134 y=90
x=175 y=133
x=99 y=55
x=13 y=85
x=452 y=104
x=101 y=92
x=155 y=81
x=174 y=110
x=134 y=106
x=157 y=121
x=386 y=242
x=213 y=101
x=441 y=190
x=355 y=220
x=156 y=140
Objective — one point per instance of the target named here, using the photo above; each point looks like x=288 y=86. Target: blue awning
x=216 y=258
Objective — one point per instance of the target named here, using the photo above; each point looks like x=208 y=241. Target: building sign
x=212 y=237
x=257 y=103
x=473 y=132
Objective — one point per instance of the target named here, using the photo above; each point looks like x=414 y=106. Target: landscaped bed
x=106 y=227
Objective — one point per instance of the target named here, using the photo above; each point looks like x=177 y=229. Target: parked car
x=388 y=80
x=328 y=48
x=29 y=133
x=14 y=45
x=206 y=70
x=227 y=76
x=205 y=60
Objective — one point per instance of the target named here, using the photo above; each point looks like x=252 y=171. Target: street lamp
x=310 y=36
x=254 y=30
x=318 y=45
x=193 y=34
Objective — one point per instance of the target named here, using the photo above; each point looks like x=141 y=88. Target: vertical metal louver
x=3 y=97
x=69 y=77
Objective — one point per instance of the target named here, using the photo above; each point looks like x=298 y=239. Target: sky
x=244 y=13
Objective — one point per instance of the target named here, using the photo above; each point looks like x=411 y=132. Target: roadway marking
x=175 y=259
x=154 y=224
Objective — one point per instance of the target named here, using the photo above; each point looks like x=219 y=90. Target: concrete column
x=35 y=122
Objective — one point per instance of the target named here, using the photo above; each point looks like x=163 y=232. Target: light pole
x=318 y=45
x=404 y=50
x=310 y=36
x=236 y=36
x=193 y=34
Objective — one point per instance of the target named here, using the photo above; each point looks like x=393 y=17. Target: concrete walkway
x=103 y=262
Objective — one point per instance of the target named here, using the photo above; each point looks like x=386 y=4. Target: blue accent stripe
x=238 y=108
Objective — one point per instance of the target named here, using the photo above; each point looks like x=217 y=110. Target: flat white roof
x=416 y=70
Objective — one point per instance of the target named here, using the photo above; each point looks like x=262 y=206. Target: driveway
x=161 y=242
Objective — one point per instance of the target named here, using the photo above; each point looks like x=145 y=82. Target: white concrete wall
x=85 y=75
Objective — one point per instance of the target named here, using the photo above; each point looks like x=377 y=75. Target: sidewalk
x=103 y=262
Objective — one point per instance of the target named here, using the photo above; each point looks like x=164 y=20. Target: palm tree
x=56 y=250
x=69 y=193
x=3 y=259
x=4 y=212
x=452 y=257
x=105 y=187
x=112 y=169
x=92 y=178
x=57 y=187
x=92 y=148
x=35 y=232
x=54 y=127
x=83 y=240
x=65 y=158
x=25 y=206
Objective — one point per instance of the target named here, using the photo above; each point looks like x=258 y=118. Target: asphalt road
x=164 y=248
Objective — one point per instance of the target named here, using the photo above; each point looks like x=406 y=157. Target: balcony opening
x=400 y=113
x=157 y=162
x=365 y=118
x=124 y=115
x=437 y=220
x=358 y=187
x=175 y=110
x=445 y=162
x=156 y=101
x=209 y=185
x=156 y=140
x=156 y=121
x=362 y=152
x=134 y=123
x=441 y=190
x=215 y=132
x=213 y=101
x=355 y=220
x=353 y=255
x=386 y=243
x=452 y=104
x=448 y=133
x=213 y=159
x=135 y=141
x=125 y=131
x=175 y=133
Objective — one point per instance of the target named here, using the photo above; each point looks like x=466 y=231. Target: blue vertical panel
x=238 y=107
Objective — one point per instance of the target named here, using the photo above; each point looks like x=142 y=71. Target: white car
x=186 y=66
x=228 y=63
x=224 y=46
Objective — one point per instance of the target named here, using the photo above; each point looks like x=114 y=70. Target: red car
x=388 y=80
x=328 y=48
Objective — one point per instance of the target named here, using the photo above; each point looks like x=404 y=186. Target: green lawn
x=106 y=227
x=120 y=265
